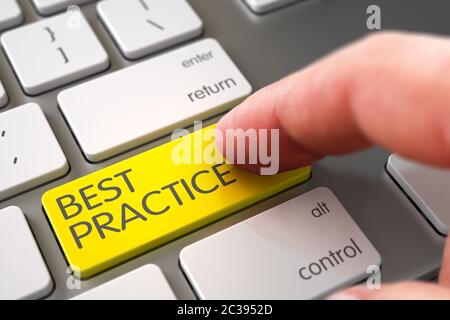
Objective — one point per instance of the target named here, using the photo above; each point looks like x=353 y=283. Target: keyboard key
x=135 y=105
x=50 y=53
x=146 y=283
x=141 y=27
x=30 y=155
x=23 y=273
x=305 y=248
x=3 y=96
x=10 y=14
x=143 y=202
x=426 y=186
x=47 y=7
x=263 y=6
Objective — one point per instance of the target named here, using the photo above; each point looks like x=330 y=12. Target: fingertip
x=257 y=112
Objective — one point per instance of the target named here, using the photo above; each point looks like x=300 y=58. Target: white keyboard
x=97 y=105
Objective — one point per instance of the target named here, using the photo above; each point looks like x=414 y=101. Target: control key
x=305 y=248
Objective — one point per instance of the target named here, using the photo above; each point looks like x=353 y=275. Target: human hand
x=389 y=89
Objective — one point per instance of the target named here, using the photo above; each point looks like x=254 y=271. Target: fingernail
x=342 y=296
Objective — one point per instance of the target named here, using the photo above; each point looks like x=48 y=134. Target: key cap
x=146 y=283
x=47 y=7
x=263 y=6
x=135 y=105
x=143 y=202
x=426 y=186
x=302 y=249
x=3 y=96
x=141 y=27
x=30 y=155
x=53 y=52
x=10 y=14
x=23 y=273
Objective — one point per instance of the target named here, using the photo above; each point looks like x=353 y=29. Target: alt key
x=305 y=248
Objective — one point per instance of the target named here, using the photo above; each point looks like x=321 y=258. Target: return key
x=130 y=107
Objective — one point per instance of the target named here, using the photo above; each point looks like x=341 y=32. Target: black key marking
x=153 y=23
x=144 y=4
x=51 y=33
x=61 y=50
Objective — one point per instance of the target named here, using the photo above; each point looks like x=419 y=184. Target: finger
x=444 y=274
x=398 y=291
x=390 y=89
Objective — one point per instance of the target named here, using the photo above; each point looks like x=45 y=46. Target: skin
x=388 y=89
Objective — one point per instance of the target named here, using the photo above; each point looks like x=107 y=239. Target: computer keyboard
x=87 y=104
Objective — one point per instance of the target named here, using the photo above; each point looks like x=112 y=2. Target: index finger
x=391 y=89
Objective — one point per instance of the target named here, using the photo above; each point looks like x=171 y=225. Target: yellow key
x=131 y=207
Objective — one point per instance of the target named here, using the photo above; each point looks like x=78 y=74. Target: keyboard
x=93 y=205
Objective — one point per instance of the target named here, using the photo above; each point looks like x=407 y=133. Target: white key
x=302 y=249
x=426 y=186
x=23 y=273
x=53 y=52
x=132 y=106
x=263 y=6
x=10 y=14
x=3 y=96
x=145 y=283
x=30 y=155
x=141 y=27
x=47 y=7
